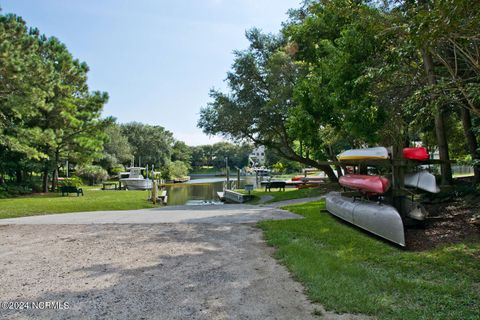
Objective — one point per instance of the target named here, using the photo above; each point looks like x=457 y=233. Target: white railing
x=232 y=185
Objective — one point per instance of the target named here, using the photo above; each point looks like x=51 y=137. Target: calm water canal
x=198 y=191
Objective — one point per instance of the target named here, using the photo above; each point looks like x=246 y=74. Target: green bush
x=175 y=169
x=73 y=181
x=279 y=167
x=116 y=169
x=14 y=190
x=92 y=173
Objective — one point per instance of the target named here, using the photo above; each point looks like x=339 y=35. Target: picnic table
x=105 y=184
x=275 y=184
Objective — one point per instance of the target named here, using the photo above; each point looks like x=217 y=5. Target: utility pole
x=228 y=172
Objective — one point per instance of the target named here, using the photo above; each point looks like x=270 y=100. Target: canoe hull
x=369 y=184
x=380 y=219
x=377 y=153
x=422 y=180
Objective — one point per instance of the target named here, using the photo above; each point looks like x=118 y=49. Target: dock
x=233 y=196
x=161 y=197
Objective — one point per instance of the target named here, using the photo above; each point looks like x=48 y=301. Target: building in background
x=257 y=157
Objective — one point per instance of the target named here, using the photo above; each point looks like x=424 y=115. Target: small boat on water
x=181 y=179
x=378 y=218
x=134 y=180
x=309 y=179
x=377 y=153
x=262 y=171
x=420 y=153
x=422 y=180
x=365 y=183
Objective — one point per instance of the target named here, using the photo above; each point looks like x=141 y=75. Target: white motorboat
x=134 y=180
x=262 y=171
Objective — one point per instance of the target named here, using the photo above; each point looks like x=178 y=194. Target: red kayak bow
x=373 y=184
x=419 y=153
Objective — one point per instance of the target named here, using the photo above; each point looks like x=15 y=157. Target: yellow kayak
x=377 y=153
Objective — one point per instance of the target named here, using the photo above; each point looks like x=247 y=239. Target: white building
x=257 y=157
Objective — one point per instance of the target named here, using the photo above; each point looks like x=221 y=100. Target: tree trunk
x=312 y=163
x=45 y=181
x=19 y=176
x=55 y=171
x=333 y=158
x=54 y=179
x=471 y=140
x=440 y=133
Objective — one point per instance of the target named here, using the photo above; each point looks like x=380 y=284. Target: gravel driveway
x=210 y=268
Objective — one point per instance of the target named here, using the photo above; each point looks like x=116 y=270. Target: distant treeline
x=50 y=118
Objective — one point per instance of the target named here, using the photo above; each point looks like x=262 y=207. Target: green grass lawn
x=93 y=200
x=462 y=175
x=347 y=270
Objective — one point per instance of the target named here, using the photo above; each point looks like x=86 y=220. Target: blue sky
x=156 y=59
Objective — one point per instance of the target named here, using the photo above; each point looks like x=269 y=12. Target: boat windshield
x=135 y=173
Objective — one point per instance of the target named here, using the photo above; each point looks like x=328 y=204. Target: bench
x=275 y=184
x=69 y=189
x=105 y=184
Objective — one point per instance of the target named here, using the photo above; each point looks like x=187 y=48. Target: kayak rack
x=387 y=215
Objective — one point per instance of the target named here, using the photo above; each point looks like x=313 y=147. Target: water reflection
x=200 y=189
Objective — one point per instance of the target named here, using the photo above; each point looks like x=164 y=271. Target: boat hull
x=420 y=153
x=369 y=184
x=377 y=153
x=422 y=180
x=380 y=219
x=137 y=184
x=307 y=179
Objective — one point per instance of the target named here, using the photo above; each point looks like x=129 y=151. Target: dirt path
x=212 y=269
x=216 y=214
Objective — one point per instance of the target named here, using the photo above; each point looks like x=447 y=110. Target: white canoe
x=364 y=154
x=423 y=180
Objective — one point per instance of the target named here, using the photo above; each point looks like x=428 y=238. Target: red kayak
x=372 y=184
x=419 y=153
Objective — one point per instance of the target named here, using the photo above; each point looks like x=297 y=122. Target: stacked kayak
x=368 y=184
x=378 y=153
x=420 y=153
x=422 y=180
